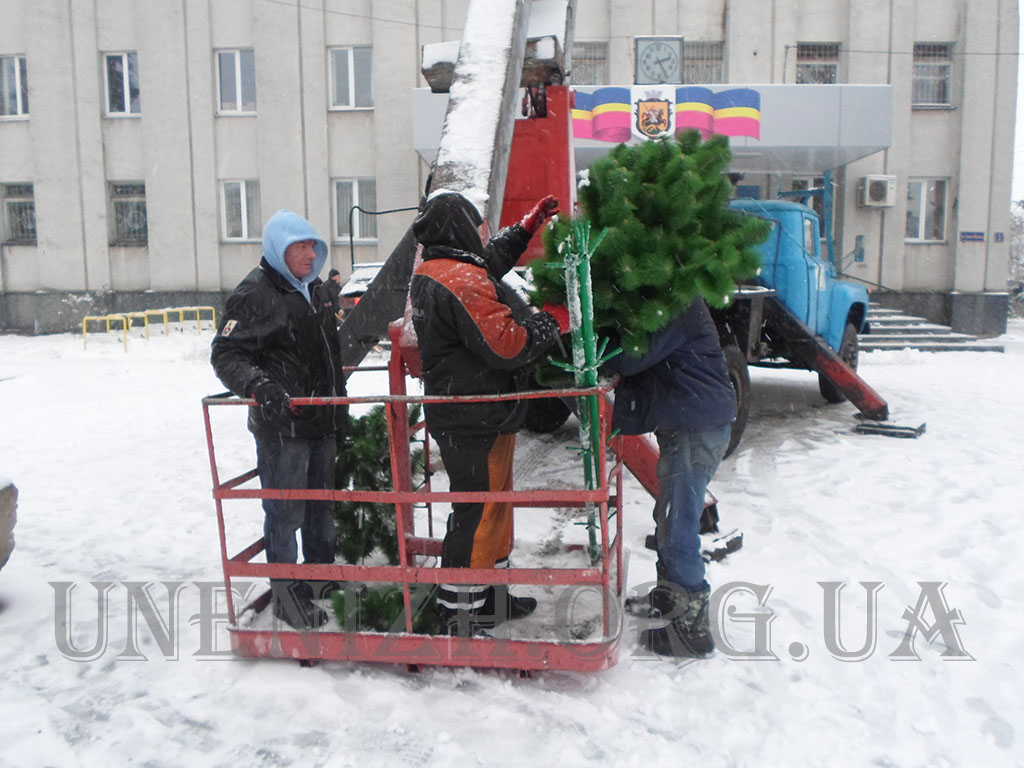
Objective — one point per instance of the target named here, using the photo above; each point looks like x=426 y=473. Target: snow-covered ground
x=107 y=448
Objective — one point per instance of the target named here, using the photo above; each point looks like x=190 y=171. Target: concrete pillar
x=167 y=158
x=392 y=134
x=205 y=196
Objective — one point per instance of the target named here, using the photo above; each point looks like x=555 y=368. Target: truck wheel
x=736 y=364
x=849 y=351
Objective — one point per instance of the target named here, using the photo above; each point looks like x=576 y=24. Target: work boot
x=322 y=590
x=689 y=633
x=662 y=598
x=293 y=604
x=501 y=606
x=464 y=623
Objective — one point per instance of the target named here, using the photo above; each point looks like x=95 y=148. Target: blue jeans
x=297 y=463
x=687 y=463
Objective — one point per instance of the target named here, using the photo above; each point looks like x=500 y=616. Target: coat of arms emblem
x=653 y=113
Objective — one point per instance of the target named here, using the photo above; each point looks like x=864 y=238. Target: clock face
x=658 y=61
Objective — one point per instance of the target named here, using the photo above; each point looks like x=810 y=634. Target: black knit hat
x=333 y=273
x=449 y=219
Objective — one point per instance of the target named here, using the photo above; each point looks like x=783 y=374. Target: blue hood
x=283 y=229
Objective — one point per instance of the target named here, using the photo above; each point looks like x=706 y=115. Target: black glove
x=274 y=401
x=543 y=329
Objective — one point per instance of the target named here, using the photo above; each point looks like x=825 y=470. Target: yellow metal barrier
x=108 y=319
x=184 y=312
x=198 y=312
x=145 y=314
x=128 y=319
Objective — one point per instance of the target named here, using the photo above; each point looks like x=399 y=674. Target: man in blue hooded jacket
x=278 y=339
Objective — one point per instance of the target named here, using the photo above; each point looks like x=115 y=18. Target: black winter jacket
x=469 y=341
x=270 y=331
x=681 y=382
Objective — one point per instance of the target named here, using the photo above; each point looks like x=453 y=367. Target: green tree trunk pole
x=579 y=294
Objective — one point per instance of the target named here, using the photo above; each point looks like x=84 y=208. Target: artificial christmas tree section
x=364 y=463
x=669 y=236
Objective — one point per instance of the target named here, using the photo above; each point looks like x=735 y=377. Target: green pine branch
x=670 y=236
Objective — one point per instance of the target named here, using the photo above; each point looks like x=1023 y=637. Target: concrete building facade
x=142 y=145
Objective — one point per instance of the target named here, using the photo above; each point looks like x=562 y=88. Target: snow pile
x=547 y=19
x=440 y=53
x=108 y=451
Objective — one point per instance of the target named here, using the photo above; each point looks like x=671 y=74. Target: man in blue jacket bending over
x=680 y=390
x=278 y=339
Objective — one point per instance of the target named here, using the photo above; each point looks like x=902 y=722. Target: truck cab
x=793 y=266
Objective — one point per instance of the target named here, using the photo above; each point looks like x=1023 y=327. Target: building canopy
x=792 y=129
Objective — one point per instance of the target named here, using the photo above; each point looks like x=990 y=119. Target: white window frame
x=239 y=100
x=249 y=220
x=923 y=190
x=353 y=97
x=590 y=62
x=817 y=59
x=129 y=62
x=361 y=221
x=19 y=195
x=123 y=192
x=933 y=65
x=20 y=70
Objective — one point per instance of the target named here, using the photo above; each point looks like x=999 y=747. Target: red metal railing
x=607 y=575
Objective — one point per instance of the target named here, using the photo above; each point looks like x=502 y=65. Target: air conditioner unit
x=877 y=191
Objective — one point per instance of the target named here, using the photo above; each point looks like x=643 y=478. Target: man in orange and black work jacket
x=470 y=344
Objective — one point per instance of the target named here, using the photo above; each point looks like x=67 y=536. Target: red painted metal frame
x=541 y=163
x=608 y=576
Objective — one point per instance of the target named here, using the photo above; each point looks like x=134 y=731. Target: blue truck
x=798 y=314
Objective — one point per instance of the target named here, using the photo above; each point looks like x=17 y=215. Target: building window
x=926 y=210
x=351 y=77
x=703 y=62
x=817 y=63
x=236 y=80
x=933 y=67
x=817 y=202
x=240 y=204
x=20 y=213
x=123 y=83
x=13 y=86
x=349 y=193
x=590 y=63
x=128 y=213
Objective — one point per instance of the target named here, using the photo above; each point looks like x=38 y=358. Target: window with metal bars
x=933 y=69
x=128 y=221
x=817 y=63
x=589 y=63
x=20 y=213
x=703 y=62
